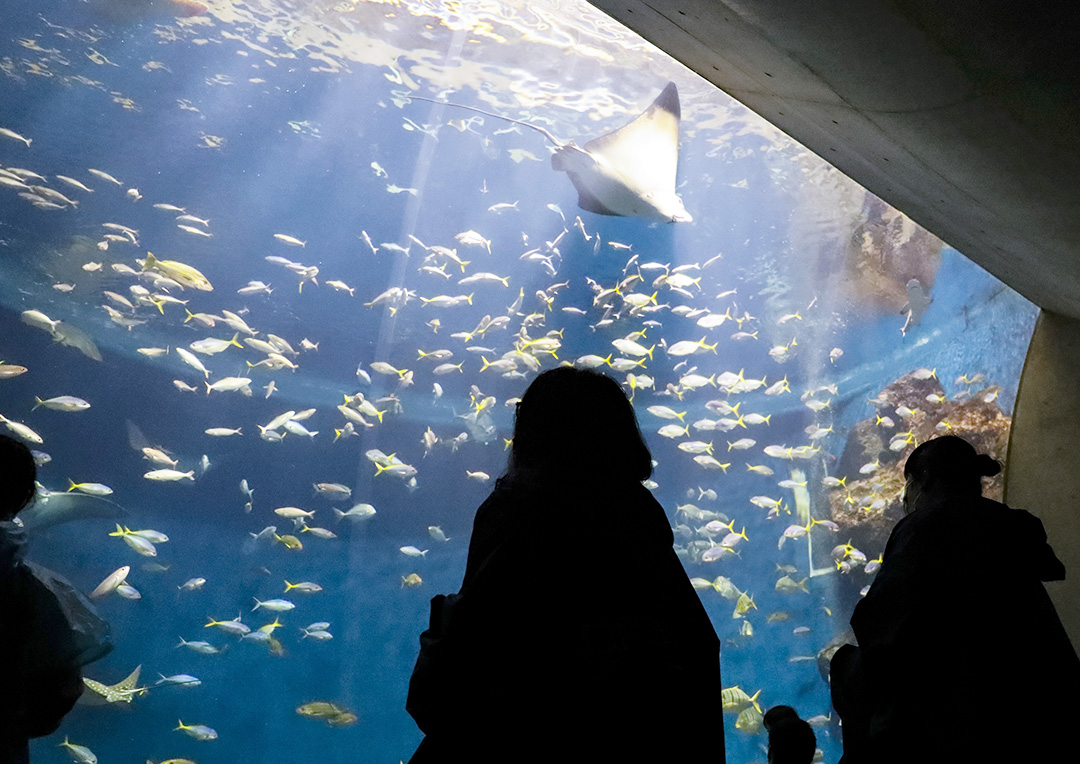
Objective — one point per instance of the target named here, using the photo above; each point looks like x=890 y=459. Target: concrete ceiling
x=964 y=115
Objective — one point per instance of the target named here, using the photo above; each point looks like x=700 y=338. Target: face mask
x=912 y=492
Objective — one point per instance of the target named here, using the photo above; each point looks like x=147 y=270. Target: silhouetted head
x=578 y=423
x=791 y=740
x=946 y=465
x=17 y=475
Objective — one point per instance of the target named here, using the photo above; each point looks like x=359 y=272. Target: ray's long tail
x=558 y=144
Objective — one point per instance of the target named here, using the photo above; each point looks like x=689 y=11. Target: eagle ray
x=629 y=172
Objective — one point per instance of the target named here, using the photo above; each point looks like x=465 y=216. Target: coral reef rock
x=910 y=411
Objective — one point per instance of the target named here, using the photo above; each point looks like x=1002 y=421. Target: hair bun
x=987 y=466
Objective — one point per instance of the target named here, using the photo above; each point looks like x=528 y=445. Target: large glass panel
x=411 y=266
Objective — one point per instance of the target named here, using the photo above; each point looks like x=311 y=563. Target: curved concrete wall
x=1042 y=474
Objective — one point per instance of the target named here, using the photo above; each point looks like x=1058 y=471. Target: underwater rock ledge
x=909 y=411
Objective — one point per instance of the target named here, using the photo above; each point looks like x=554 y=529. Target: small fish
x=688 y=347
x=94 y=489
x=437 y=534
x=276 y=605
x=293 y=513
x=182 y=680
x=288 y=541
x=22 y=430
x=710 y=463
x=356 y=513
x=105 y=176
x=213 y=345
x=8 y=370
x=229 y=384
x=735 y=699
x=788 y=585
x=870 y=467
x=367 y=240
x=778 y=388
x=291 y=240
x=197 y=731
x=79 y=753
x=403 y=471
x=234 y=626
x=472 y=238
x=333 y=491
x=169 y=475
x=199 y=646
x=319 y=710
x=255 y=287
x=665 y=412
x=142 y=546
x=296 y=428
x=341 y=286
x=157 y=456
x=111 y=581
x=154 y=537
x=749 y=721
x=307 y=587
x=743 y=605
x=15 y=136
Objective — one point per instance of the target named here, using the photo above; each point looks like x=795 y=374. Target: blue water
x=300 y=102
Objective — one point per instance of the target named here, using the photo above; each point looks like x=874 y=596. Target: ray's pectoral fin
x=586 y=200
x=578 y=166
x=631 y=171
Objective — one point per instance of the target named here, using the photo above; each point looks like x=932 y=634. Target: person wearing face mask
x=957 y=637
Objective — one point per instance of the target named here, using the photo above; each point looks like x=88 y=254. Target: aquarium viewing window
x=300 y=288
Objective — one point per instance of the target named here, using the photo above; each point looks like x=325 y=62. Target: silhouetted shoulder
x=1025 y=536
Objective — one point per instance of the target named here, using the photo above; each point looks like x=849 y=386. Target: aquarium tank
x=273 y=275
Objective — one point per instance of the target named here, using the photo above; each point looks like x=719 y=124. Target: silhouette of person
x=791 y=740
x=957 y=636
x=47 y=630
x=576 y=635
